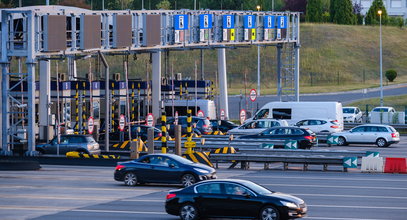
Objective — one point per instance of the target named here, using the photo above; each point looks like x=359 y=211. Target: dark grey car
x=79 y=143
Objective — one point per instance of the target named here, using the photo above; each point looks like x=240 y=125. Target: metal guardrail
x=301 y=152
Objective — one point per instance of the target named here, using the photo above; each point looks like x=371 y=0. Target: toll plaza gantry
x=36 y=35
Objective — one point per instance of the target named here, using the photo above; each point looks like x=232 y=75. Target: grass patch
x=398 y=102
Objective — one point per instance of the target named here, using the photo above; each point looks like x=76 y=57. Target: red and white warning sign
x=176 y=118
x=150 y=119
x=222 y=114
x=91 y=125
x=122 y=122
x=200 y=114
x=253 y=95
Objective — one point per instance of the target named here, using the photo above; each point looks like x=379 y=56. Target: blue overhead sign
x=282 y=22
x=228 y=21
x=205 y=21
x=249 y=21
x=180 y=22
x=269 y=21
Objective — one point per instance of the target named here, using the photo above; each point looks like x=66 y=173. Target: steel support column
x=45 y=99
x=156 y=83
x=223 y=89
x=297 y=72
x=279 y=63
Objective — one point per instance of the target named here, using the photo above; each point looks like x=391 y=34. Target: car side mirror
x=172 y=165
x=247 y=195
x=350 y=131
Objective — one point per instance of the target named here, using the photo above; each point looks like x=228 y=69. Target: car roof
x=380 y=125
x=349 y=107
x=228 y=180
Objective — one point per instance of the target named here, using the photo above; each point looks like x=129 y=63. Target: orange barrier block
x=395 y=165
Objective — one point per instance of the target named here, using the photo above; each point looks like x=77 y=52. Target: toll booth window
x=282 y=113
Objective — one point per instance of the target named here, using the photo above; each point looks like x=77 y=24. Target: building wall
x=393 y=7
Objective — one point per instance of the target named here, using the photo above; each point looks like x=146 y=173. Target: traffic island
x=7 y=164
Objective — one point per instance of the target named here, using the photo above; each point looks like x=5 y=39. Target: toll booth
x=66 y=106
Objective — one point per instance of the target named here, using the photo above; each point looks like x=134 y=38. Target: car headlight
x=290 y=204
x=201 y=171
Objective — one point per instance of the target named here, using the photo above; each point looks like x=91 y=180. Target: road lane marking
x=329 y=178
x=357 y=207
x=60 y=197
x=330 y=218
x=36 y=208
x=347 y=187
x=114 y=211
x=114 y=188
x=351 y=196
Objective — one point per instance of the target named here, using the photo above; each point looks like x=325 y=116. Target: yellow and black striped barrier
x=224 y=150
x=126 y=146
x=75 y=154
x=192 y=135
x=198 y=157
x=163 y=133
x=217 y=133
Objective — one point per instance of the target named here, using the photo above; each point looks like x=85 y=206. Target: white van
x=206 y=106
x=293 y=112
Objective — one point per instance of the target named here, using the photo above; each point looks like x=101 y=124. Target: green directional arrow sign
x=332 y=139
x=267 y=146
x=372 y=154
x=289 y=144
x=350 y=162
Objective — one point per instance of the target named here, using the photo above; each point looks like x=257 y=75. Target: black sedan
x=305 y=137
x=162 y=168
x=232 y=199
x=223 y=126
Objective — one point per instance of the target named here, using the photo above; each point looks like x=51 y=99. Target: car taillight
x=205 y=126
x=170 y=196
x=393 y=135
x=334 y=126
x=119 y=167
x=309 y=137
x=160 y=134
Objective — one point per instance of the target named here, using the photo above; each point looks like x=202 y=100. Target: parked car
x=232 y=198
x=352 y=114
x=80 y=143
x=141 y=130
x=389 y=110
x=202 y=125
x=381 y=135
x=320 y=125
x=305 y=137
x=162 y=168
x=224 y=125
x=257 y=126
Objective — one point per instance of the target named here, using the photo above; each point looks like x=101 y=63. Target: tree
x=391 y=75
x=372 y=17
x=314 y=11
x=295 y=5
x=164 y=4
x=344 y=13
x=333 y=9
x=357 y=10
x=75 y=3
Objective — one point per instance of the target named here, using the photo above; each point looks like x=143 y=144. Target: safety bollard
x=178 y=140
x=134 y=154
x=150 y=140
x=163 y=133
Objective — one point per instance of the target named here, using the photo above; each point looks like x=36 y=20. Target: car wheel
x=187 y=180
x=269 y=213
x=381 y=142
x=130 y=179
x=342 y=141
x=188 y=212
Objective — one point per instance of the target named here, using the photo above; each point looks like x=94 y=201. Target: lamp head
x=258 y=7
x=380 y=12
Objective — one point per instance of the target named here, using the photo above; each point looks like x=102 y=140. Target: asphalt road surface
x=344 y=97
x=74 y=192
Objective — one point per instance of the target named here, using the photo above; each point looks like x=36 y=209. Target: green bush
x=391 y=75
x=396 y=21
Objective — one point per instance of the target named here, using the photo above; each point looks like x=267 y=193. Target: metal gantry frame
x=24 y=35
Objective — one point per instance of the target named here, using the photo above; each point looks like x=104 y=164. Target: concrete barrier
x=372 y=164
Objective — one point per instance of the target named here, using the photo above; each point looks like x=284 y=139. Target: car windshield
x=183 y=160
x=348 y=110
x=257 y=188
x=380 y=109
x=90 y=140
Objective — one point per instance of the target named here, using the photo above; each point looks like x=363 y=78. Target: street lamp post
x=381 y=59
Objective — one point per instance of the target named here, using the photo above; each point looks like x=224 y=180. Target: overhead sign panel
x=54 y=32
x=249 y=21
x=205 y=21
x=90 y=33
x=181 y=22
x=282 y=22
x=269 y=21
x=228 y=21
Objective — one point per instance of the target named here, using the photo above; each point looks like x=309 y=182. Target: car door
x=56 y=148
x=161 y=172
x=74 y=142
x=371 y=134
x=356 y=135
x=241 y=201
x=211 y=199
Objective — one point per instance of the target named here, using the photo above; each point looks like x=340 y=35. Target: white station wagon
x=381 y=135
